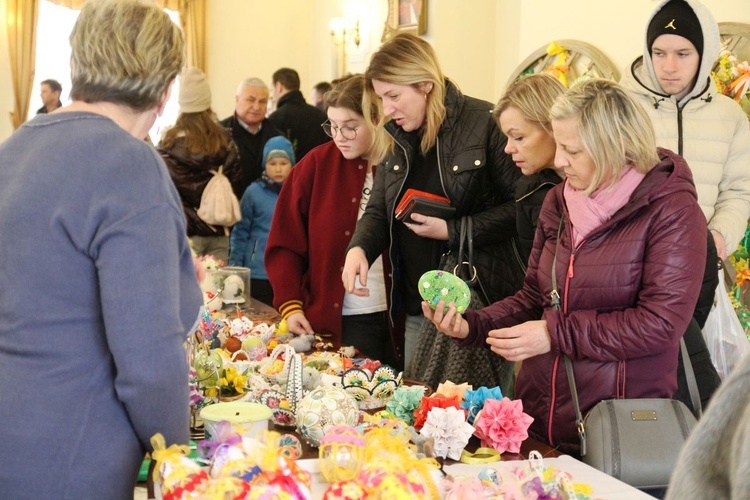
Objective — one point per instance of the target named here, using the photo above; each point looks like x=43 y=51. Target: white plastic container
x=247 y=419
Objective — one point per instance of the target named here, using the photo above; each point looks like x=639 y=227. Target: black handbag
x=437 y=358
x=634 y=440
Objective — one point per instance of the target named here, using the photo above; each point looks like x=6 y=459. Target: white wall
x=616 y=27
x=479 y=42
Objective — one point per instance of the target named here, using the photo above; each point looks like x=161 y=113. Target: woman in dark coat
x=523 y=116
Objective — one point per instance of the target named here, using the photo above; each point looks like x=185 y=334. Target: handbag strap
x=555 y=302
x=466 y=237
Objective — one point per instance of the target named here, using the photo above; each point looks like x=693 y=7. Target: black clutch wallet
x=424 y=206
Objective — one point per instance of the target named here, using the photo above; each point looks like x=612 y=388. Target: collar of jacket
x=706 y=95
x=291 y=96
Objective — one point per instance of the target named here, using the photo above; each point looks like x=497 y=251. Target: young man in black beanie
x=673 y=83
x=672 y=80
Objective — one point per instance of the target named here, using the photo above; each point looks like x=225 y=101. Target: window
x=53 y=60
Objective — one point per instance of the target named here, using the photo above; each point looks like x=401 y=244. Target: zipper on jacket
x=518 y=255
x=552 y=400
x=390 y=234
x=440 y=169
x=540 y=186
x=255 y=250
x=679 y=130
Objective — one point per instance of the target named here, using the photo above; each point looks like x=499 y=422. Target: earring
x=425 y=96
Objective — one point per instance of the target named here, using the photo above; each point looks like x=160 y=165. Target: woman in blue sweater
x=249 y=236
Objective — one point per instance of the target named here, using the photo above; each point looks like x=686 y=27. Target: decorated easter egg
x=435 y=286
x=323 y=408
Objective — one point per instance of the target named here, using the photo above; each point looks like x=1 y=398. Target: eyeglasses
x=346 y=132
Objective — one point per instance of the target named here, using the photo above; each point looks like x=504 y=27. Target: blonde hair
x=614 y=129
x=405 y=60
x=202 y=133
x=532 y=96
x=124 y=51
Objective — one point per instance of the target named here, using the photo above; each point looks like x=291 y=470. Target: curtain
x=21 y=16
x=192 y=19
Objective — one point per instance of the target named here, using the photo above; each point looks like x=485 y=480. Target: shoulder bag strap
x=461 y=240
x=691 y=382
x=466 y=259
x=555 y=301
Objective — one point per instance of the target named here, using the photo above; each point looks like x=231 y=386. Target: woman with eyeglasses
x=317 y=211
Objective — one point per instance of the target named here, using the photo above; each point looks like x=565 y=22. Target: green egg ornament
x=435 y=286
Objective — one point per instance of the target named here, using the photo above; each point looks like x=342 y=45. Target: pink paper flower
x=503 y=425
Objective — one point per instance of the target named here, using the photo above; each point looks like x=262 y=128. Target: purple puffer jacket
x=628 y=293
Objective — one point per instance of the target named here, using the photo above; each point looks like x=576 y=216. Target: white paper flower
x=449 y=429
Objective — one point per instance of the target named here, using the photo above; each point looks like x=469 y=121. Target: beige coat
x=708 y=129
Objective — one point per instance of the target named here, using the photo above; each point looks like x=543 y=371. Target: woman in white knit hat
x=192 y=148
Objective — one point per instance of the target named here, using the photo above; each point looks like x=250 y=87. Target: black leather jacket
x=476 y=175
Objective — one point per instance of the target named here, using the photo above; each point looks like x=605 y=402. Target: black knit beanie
x=676 y=17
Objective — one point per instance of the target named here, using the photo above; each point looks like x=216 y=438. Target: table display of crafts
x=376 y=437
x=366 y=456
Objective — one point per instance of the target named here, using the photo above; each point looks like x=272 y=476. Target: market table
x=260 y=312
x=308 y=452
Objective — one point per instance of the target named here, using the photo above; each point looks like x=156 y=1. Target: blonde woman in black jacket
x=431 y=137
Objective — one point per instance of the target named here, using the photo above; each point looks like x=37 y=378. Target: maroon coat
x=313 y=222
x=628 y=293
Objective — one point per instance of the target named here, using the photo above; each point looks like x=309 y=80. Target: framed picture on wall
x=406 y=16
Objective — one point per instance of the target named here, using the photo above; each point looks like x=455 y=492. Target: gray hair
x=251 y=82
x=124 y=51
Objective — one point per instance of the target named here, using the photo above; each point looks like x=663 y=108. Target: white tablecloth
x=603 y=486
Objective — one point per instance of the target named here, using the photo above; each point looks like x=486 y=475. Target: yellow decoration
x=480 y=456
x=282 y=328
x=559 y=68
x=162 y=454
x=342 y=452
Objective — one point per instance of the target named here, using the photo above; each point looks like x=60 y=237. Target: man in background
x=51 y=90
x=299 y=121
x=318 y=91
x=250 y=127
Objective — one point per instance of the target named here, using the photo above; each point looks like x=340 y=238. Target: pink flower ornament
x=502 y=425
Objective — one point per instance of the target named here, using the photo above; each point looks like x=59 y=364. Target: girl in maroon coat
x=629 y=240
x=315 y=217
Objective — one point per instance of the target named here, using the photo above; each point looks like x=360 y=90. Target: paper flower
x=474 y=400
x=464 y=488
x=503 y=425
x=404 y=402
x=450 y=389
x=732 y=79
x=449 y=429
x=428 y=403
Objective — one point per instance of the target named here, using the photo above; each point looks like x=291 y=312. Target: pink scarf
x=588 y=212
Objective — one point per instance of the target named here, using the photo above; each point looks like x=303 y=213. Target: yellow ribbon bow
x=162 y=454
x=559 y=68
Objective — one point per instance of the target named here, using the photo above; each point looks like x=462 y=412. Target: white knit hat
x=195 y=94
